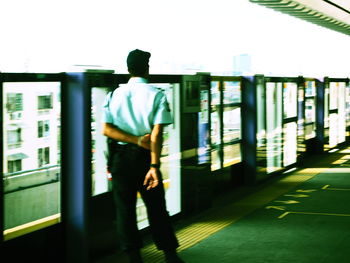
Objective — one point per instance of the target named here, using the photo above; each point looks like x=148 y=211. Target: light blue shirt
x=136 y=106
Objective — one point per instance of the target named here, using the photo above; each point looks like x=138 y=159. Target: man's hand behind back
x=145 y=141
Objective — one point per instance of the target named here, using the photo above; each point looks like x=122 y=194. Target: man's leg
x=124 y=193
x=160 y=224
x=125 y=202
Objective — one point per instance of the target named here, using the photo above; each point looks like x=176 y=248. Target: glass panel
x=231 y=92
x=326 y=107
x=333 y=95
x=231 y=122
x=341 y=113
x=310 y=131
x=232 y=132
x=274 y=126
x=333 y=130
x=232 y=154
x=261 y=125
x=100 y=176
x=171 y=151
x=289 y=100
x=337 y=120
x=310 y=118
x=301 y=120
x=310 y=110
x=31 y=163
x=203 y=129
x=347 y=106
x=215 y=125
x=290 y=143
x=310 y=88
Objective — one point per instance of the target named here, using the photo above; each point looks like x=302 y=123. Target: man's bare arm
x=151 y=179
x=113 y=132
x=156 y=143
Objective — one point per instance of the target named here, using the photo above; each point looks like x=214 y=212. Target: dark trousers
x=129 y=166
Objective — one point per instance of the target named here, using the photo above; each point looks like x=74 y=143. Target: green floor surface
x=310 y=224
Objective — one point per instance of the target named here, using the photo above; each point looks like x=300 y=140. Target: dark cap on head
x=137 y=60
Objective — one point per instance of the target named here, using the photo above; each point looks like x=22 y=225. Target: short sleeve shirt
x=136 y=106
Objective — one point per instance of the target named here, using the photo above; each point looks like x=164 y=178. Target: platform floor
x=302 y=216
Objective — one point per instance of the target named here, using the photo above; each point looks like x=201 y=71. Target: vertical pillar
x=347 y=138
x=76 y=166
x=320 y=100
x=249 y=129
x=1 y=166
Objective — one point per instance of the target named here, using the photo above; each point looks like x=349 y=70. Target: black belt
x=128 y=147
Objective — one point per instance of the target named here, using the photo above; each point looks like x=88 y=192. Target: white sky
x=52 y=35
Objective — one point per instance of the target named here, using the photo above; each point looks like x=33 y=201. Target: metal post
x=320 y=129
x=347 y=138
x=249 y=129
x=1 y=166
x=76 y=165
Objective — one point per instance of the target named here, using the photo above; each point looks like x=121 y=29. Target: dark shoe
x=172 y=257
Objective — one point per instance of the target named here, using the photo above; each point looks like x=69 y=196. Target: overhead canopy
x=334 y=14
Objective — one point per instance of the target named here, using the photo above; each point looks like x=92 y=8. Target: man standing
x=134 y=116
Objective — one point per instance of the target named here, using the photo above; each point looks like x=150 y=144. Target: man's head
x=137 y=62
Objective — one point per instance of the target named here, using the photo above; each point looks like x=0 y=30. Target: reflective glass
x=289 y=100
x=170 y=156
x=231 y=92
x=101 y=179
x=310 y=88
x=232 y=154
x=261 y=124
x=333 y=130
x=261 y=117
x=310 y=109
x=215 y=125
x=310 y=131
x=290 y=143
x=326 y=108
x=31 y=146
x=301 y=120
x=347 y=104
x=203 y=129
x=232 y=132
x=337 y=120
x=231 y=122
x=333 y=95
x=341 y=112
x=274 y=126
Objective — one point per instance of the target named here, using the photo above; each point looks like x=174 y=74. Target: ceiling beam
x=332 y=14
